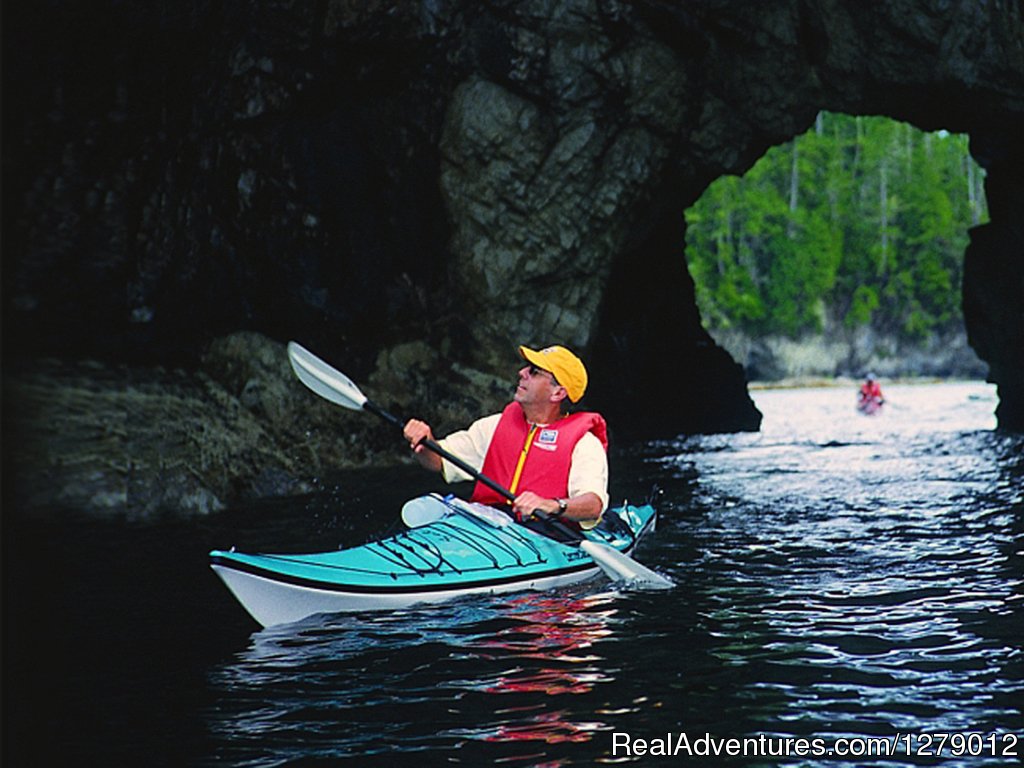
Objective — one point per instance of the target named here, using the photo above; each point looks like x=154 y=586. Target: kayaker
x=551 y=459
x=870 y=396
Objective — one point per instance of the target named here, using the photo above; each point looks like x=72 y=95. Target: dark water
x=838 y=576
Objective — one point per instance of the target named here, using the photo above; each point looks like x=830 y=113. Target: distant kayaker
x=551 y=459
x=870 y=398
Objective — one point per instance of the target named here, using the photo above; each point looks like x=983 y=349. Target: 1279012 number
x=962 y=744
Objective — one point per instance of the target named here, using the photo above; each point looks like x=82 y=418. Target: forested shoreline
x=852 y=234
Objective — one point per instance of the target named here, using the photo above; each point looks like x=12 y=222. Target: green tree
x=860 y=222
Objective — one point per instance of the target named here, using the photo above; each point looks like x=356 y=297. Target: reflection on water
x=874 y=564
x=837 y=575
x=469 y=671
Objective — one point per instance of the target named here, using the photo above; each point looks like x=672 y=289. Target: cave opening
x=837 y=252
x=841 y=251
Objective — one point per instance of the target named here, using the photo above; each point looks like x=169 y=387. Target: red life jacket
x=545 y=470
x=870 y=390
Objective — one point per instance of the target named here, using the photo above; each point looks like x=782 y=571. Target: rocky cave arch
x=708 y=92
x=413 y=188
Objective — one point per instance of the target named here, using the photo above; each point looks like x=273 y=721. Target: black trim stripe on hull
x=381 y=589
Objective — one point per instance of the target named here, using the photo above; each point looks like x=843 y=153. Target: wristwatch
x=563 y=504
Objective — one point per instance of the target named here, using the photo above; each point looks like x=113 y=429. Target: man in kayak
x=870 y=396
x=551 y=459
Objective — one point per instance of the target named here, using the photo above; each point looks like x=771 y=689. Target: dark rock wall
x=993 y=288
x=174 y=175
x=413 y=188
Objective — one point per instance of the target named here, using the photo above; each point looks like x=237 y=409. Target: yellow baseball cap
x=567 y=369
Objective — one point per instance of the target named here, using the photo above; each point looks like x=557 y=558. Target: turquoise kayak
x=452 y=549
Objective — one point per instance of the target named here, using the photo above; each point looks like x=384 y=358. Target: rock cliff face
x=413 y=189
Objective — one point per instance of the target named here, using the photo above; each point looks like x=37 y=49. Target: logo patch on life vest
x=547 y=439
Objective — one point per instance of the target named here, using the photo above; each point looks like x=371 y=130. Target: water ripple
x=837 y=576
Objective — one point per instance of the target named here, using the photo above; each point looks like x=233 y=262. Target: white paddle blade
x=620 y=567
x=424 y=510
x=489 y=515
x=327 y=382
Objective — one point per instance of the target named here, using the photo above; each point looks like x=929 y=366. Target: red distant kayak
x=869 y=405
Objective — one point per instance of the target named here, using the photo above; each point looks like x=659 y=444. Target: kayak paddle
x=338 y=388
x=425 y=510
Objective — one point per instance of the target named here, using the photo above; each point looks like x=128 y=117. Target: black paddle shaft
x=372 y=407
